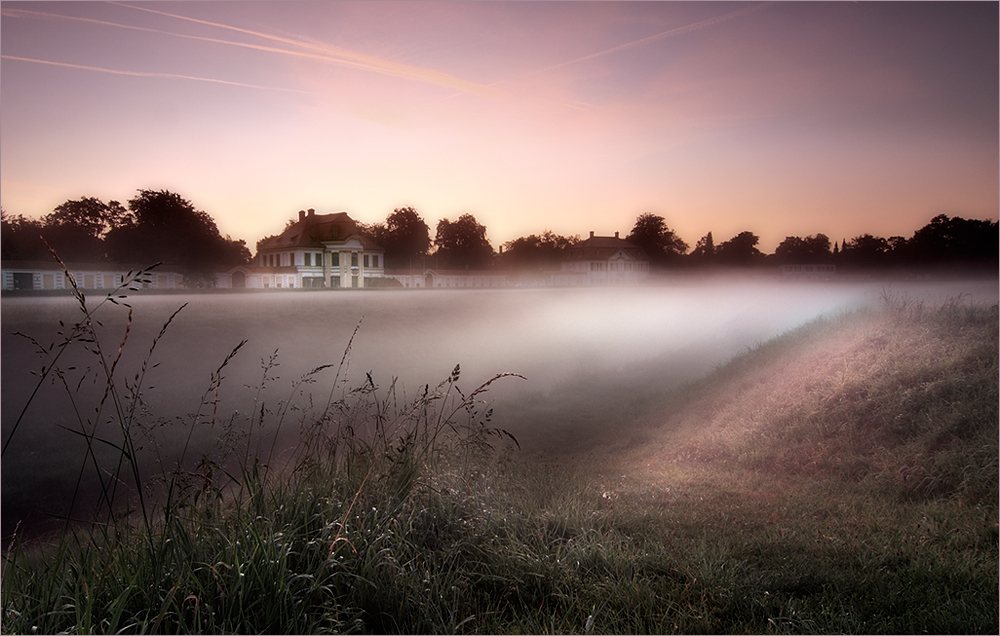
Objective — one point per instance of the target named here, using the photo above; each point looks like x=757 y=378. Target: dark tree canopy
x=462 y=244
x=811 y=249
x=954 y=239
x=165 y=227
x=536 y=252
x=404 y=236
x=76 y=229
x=20 y=238
x=865 y=251
x=704 y=250
x=741 y=250
x=660 y=243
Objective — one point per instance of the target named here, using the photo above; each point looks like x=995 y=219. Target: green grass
x=841 y=478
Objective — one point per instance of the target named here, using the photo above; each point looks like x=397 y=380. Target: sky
x=783 y=119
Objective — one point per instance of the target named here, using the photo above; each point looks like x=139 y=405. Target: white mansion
x=603 y=260
x=317 y=250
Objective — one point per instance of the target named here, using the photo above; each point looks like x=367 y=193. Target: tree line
x=405 y=236
x=162 y=226
x=155 y=227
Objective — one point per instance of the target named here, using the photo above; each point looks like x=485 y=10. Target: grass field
x=840 y=478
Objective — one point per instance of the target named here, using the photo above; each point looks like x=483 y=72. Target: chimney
x=592 y=234
x=302 y=215
x=312 y=212
x=616 y=234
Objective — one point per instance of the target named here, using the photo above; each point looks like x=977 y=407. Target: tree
x=704 y=250
x=20 y=238
x=811 y=249
x=536 y=252
x=76 y=229
x=405 y=237
x=660 y=243
x=955 y=239
x=741 y=250
x=462 y=244
x=165 y=227
x=865 y=251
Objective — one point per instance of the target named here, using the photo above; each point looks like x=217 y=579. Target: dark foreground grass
x=842 y=478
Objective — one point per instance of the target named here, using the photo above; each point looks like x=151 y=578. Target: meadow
x=841 y=476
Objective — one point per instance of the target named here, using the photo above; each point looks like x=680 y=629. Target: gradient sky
x=779 y=118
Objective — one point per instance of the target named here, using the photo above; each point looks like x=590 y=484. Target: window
x=307 y=259
x=366 y=260
x=319 y=259
x=354 y=259
x=335 y=259
x=374 y=260
x=24 y=280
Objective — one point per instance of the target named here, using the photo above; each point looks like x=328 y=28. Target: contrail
x=337 y=55
x=17 y=13
x=319 y=52
x=112 y=71
x=660 y=36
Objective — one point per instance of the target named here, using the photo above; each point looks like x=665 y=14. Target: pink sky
x=778 y=118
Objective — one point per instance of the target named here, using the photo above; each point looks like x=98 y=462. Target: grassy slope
x=842 y=478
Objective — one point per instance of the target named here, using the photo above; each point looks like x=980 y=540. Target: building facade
x=603 y=260
x=315 y=251
x=448 y=278
x=46 y=275
x=810 y=272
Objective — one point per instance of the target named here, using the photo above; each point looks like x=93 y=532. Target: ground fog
x=555 y=338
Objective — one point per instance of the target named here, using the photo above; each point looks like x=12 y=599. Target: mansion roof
x=602 y=248
x=317 y=230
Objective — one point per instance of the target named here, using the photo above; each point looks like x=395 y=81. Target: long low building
x=49 y=275
x=449 y=278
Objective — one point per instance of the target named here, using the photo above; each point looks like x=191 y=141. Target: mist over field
x=555 y=338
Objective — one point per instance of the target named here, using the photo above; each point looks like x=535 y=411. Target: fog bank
x=550 y=336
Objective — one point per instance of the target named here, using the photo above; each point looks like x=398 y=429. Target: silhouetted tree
x=811 y=249
x=166 y=227
x=536 y=252
x=651 y=233
x=955 y=240
x=20 y=238
x=865 y=251
x=704 y=251
x=741 y=250
x=76 y=229
x=462 y=244
x=404 y=236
